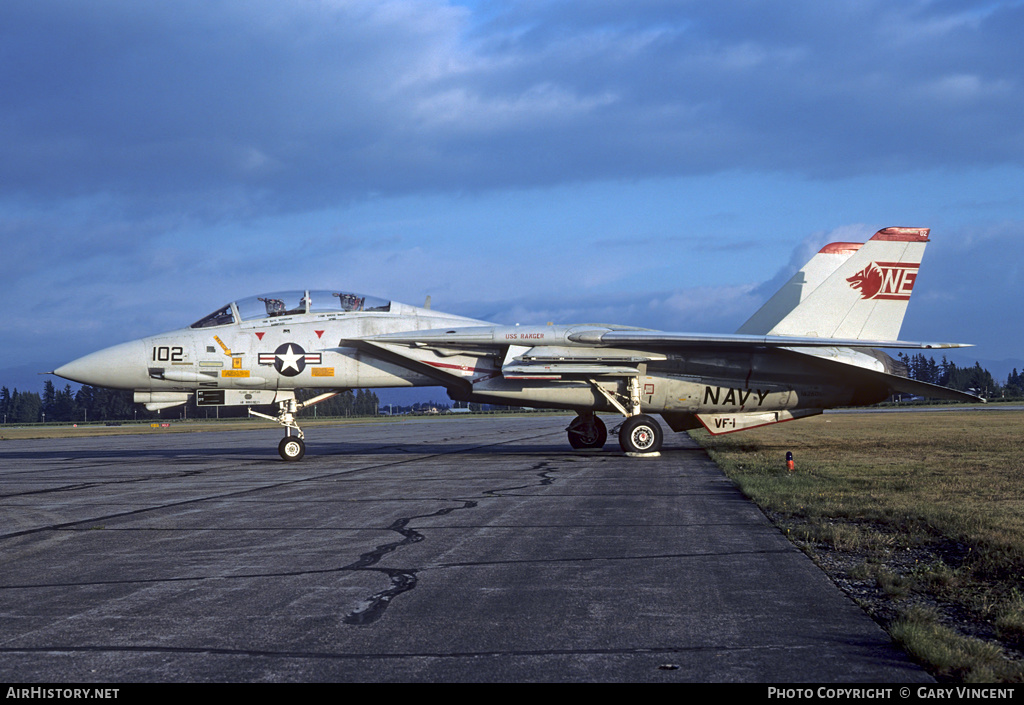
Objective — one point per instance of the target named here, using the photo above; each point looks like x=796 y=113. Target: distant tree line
x=87 y=404
x=99 y=404
x=976 y=379
x=363 y=402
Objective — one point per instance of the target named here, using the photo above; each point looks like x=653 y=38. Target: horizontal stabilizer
x=928 y=390
x=862 y=376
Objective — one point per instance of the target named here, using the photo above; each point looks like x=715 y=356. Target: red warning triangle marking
x=319 y=333
x=259 y=334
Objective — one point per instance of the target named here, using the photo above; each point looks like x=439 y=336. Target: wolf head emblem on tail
x=868 y=281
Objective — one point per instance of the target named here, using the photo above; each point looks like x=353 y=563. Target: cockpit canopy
x=290 y=303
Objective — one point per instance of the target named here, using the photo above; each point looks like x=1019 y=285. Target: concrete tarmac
x=448 y=550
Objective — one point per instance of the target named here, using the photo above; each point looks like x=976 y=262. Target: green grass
x=926 y=506
x=950 y=654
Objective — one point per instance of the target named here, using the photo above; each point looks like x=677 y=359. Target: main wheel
x=640 y=434
x=291 y=448
x=587 y=433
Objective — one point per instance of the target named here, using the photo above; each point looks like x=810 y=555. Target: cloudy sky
x=661 y=164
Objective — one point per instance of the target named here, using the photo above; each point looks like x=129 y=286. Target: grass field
x=919 y=516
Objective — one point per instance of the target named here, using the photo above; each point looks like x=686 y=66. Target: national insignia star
x=290 y=359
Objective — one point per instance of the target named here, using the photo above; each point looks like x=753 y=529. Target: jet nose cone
x=116 y=367
x=79 y=370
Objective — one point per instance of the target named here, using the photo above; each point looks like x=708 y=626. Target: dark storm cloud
x=235 y=107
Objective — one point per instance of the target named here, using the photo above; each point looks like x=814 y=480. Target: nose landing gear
x=292 y=448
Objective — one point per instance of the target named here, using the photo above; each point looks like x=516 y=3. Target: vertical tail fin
x=866 y=296
x=799 y=287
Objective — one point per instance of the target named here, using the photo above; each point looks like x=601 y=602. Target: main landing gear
x=639 y=433
x=292 y=447
x=587 y=431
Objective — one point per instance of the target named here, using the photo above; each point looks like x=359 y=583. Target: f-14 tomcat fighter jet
x=813 y=346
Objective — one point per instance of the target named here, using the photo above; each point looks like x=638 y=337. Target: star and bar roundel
x=289 y=359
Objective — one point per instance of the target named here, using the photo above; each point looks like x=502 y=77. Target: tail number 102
x=166 y=353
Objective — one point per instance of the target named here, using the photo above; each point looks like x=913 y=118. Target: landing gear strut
x=292 y=447
x=639 y=433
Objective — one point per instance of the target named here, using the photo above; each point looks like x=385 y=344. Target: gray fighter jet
x=814 y=345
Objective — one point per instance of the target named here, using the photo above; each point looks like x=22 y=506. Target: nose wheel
x=292 y=448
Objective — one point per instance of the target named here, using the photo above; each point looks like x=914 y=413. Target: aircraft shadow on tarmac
x=322 y=451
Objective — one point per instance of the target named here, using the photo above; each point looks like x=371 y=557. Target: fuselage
x=304 y=339
x=816 y=344
x=247 y=346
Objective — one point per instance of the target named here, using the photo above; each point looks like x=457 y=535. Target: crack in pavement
x=372 y=608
